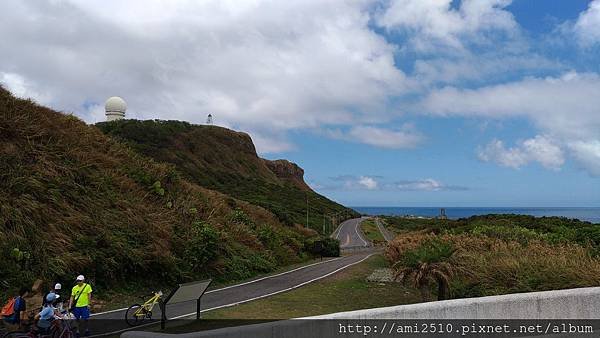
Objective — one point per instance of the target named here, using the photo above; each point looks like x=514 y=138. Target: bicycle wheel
x=62 y=332
x=135 y=315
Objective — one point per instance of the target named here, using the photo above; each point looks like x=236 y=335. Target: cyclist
x=47 y=315
x=80 y=302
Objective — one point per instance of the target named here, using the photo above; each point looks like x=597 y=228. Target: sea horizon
x=589 y=214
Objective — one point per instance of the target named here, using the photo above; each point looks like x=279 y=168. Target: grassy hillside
x=73 y=200
x=226 y=161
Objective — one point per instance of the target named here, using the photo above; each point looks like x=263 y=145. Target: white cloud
x=587 y=26
x=350 y=182
x=368 y=182
x=543 y=150
x=564 y=108
x=478 y=67
x=263 y=66
x=21 y=87
x=496 y=152
x=403 y=138
x=566 y=105
x=435 y=23
x=588 y=154
x=270 y=143
x=428 y=184
x=538 y=149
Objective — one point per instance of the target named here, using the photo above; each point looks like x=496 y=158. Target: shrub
x=202 y=247
x=331 y=247
x=431 y=251
x=427 y=264
x=323 y=246
x=510 y=233
x=240 y=217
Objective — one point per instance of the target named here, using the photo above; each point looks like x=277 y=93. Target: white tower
x=115 y=108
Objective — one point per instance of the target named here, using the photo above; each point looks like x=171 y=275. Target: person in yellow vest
x=80 y=303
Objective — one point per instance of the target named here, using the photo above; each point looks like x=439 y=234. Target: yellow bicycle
x=137 y=314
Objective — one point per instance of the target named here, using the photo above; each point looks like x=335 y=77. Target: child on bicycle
x=47 y=315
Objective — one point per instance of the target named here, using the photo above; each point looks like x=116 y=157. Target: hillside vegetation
x=74 y=200
x=226 y=161
x=494 y=254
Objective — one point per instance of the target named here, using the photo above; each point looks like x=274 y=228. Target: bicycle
x=136 y=314
x=61 y=328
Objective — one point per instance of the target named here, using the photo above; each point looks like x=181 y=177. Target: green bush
x=430 y=251
x=323 y=246
x=240 y=217
x=514 y=233
x=269 y=237
x=331 y=247
x=203 y=245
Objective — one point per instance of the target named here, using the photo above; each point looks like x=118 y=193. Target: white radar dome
x=115 y=108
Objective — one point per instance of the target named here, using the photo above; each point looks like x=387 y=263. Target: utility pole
x=307 y=210
x=324 y=224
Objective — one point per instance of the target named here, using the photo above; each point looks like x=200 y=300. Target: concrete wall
x=583 y=303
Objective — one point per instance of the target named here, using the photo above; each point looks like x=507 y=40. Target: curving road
x=110 y=323
x=350 y=234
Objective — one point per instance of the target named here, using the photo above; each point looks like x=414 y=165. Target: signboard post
x=184 y=293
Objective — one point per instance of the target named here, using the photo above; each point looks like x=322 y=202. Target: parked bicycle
x=136 y=314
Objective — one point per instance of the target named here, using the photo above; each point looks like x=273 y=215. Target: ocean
x=584 y=214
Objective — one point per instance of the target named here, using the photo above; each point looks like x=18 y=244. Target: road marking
x=359 y=236
x=346 y=242
x=276 y=292
x=339 y=229
x=236 y=285
x=240 y=302
x=277 y=275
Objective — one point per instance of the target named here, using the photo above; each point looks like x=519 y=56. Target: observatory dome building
x=115 y=108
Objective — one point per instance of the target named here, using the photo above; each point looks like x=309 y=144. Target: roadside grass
x=369 y=228
x=345 y=291
x=483 y=265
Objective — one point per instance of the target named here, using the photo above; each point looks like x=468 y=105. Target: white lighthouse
x=115 y=108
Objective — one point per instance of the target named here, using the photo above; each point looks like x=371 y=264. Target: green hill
x=225 y=160
x=74 y=200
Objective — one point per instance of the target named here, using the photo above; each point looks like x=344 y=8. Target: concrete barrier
x=582 y=303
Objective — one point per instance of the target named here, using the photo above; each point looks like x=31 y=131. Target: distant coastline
x=584 y=213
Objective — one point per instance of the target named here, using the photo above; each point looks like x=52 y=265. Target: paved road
x=387 y=235
x=240 y=293
x=350 y=234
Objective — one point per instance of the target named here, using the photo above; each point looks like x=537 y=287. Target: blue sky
x=383 y=103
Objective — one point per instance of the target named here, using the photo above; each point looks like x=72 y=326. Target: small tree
x=428 y=263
